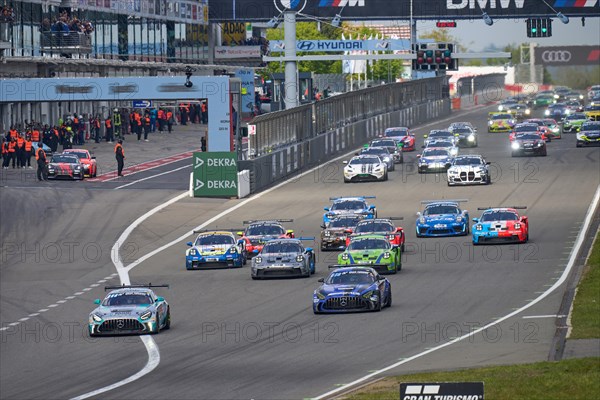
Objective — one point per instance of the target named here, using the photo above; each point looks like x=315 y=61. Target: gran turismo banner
x=263 y=10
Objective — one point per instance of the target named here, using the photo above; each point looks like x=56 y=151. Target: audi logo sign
x=567 y=55
x=556 y=56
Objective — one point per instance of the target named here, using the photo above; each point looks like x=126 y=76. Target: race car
x=506 y=103
x=284 y=258
x=442 y=218
x=500 y=225
x=574 y=105
x=449 y=145
x=379 y=226
x=543 y=100
x=469 y=170
x=547 y=127
x=357 y=206
x=403 y=135
x=593 y=112
x=394 y=146
x=466 y=135
x=65 y=166
x=375 y=251
x=382 y=152
x=352 y=289
x=557 y=111
x=259 y=232
x=519 y=111
x=573 y=122
x=589 y=135
x=434 y=159
x=500 y=122
x=365 y=168
x=533 y=127
x=215 y=249
x=335 y=232
x=439 y=134
x=593 y=91
x=90 y=168
x=45 y=147
x=531 y=144
x=130 y=309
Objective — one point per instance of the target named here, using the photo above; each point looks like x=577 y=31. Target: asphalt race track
x=235 y=338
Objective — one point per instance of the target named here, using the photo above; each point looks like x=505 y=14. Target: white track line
x=153 y=176
x=556 y=285
x=123 y=272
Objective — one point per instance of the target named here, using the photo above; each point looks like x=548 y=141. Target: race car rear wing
x=444 y=201
x=149 y=285
x=352 y=197
x=334 y=266
x=515 y=207
x=219 y=230
x=252 y=221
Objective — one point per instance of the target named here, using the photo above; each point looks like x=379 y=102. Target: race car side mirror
x=190 y=244
x=475 y=219
x=418 y=214
x=255 y=251
x=159 y=299
x=346 y=162
x=321 y=280
x=240 y=233
x=371 y=207
x=326 y=208
x=418 y=155
x=348 y=231
x=323 y=226
x=93 y=157
x=97 y=301
x=309 y=249
x=425 y=136
x=488 y=163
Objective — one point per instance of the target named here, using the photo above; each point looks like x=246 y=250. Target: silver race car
x=131 y=309
x=469 y=170
x=283 y=258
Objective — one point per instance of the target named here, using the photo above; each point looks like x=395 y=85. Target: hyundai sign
x=264 y=10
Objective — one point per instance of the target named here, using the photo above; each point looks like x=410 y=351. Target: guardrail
x=480 y=89
x=65 y=42
x=283 y=128
x=270 y=168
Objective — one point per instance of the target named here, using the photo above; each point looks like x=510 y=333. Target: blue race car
x=349 y=206
x=215 y=249
x=352 y=289
x=434 y=159
x=442 y=218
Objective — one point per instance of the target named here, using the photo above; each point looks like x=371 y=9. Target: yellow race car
x=500 y=122
x=592 y=112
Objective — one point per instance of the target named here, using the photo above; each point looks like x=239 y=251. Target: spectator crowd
x=66 y=23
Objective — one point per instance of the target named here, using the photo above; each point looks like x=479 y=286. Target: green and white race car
x=374 y=251
x=572 y=123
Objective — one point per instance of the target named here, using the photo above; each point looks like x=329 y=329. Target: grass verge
x=585 y=318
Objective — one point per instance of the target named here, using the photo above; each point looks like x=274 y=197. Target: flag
x=346 y=64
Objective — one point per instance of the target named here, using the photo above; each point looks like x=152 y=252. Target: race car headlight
x=568 y=111
x=96 y=318
x=386 y=159
x=146 y=315
x=555 y=129
x=345 y=256
x=320 y=295
x=528 y=111
x=459 y=218
x=233 y=250
x=478 y=227
x=471 y=138
x=539 y=144
x=580 y=97
x=547 y=112
x=193 y=252
x=299 y=258
x=556 y=96
x=77 y=167
x=422 y=220
x=515 y=145
x=327 y=234
x=368 y=294
x=490 y=123
x=454 y=151
x=500 y=108
x=517 y=226
x=258 y=259
x=391 y=237
x=386 y=255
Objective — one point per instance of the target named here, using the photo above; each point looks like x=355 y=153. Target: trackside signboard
x=215 y=174
x=442 y=391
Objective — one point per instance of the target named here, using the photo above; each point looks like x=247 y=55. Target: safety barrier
x=270 y=168
x=477 y=90
x=66 y=42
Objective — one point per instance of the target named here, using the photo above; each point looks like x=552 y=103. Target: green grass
x=585 y=318
x=567 y=379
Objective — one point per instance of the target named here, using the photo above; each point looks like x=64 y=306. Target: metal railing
x=283 y=128
x=66 y=42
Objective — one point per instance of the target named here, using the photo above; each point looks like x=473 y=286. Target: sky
x=475 y=35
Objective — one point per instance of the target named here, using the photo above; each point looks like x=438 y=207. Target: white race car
x=365 y=168
x=468 y=170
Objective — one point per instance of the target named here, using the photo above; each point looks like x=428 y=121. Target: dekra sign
x=220 y=162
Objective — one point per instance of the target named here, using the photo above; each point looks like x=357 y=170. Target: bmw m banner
x=442 y=391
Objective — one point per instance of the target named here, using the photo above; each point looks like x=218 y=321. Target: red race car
x=401 y=134
x=500 y=225
x=260 y=232
x=529 y=127
x=90 y=168
x=379 y=226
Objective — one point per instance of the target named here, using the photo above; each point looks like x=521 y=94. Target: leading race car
x=403 y=135
x=90 y=168
x=335 y=232
x=439 y=134
x=589 y=135
x=442 y=218
x=500 y=122
x=470 y=169
x=379 y=226
x=215 y=249
x=284 y=258
x=375 y=251
x=65 y=166
x=365 y=168
x=352 y=289
x=500 y=225
x=434 y=159
x=350 y=206
x=466 y=135
x=131 y=309
x=531 y=144
x=382 y=152
x=259 y=232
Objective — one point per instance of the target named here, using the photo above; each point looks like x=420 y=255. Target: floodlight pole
x=291 y=67
x=413 y=37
